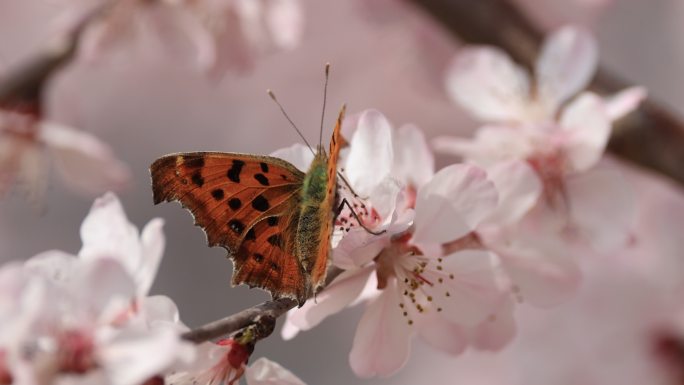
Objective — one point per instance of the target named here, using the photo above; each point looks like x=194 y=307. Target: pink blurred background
x=393 y=61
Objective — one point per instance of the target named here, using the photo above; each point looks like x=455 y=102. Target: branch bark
x=264 y=315
x=651 y=137
x=267 y=312
x=23 y=86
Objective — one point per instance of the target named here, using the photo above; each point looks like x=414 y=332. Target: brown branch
x=240 y=320
x=651 y=137
x=263 y=315
x=23 y=85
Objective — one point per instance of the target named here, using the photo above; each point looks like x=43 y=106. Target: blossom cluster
x=463 y=246
x=89 y=319
x=213 y=36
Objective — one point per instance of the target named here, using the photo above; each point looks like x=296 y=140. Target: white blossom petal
x=440 y=333
x=624 y=102
x=487 y=83
x=153 y=242
x=465 y=288
x=602 y=207
x=414 y=162
x=587 y=126
x=107 y=233
x=491 y=145
x=371 y=156
x=519 y=189
x=134 y=356
x=298 y=154
x=87 y=164
x=542 y=272
x=494 y=333
x=383 y=337
x=285 y=20
x=339 y=294
x=266 y=372
x=565 y=66
x=453 y=203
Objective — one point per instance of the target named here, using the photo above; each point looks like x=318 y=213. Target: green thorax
x=311 y=211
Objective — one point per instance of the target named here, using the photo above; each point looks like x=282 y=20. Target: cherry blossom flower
x=211 y=35
x=29 y=146
x=71 y=319
x=225 y=362
x=408 y=285
x=562 y=139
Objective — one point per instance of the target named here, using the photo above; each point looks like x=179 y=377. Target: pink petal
x=153 y=242
x=440 y=333
x=371 y=156
x=266 y=372
x=383 y=337
x=565 y=66
x=496 y=331
x=542 y=272
x=341 y=292
x=453 y=203
x=103 y=287
x=134 y=355
x=491 y=145
x=160 y=308
x=86 y=164
x=298 y=154
x=587 y=125
x=624 y=102
x=107 y=233
x=602 y=207
x=414 y=162
x=468 y=291
x=285 y=20
x=519 y=189
x=487 y=83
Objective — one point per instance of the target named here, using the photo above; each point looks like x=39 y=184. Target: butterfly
x=275 y=221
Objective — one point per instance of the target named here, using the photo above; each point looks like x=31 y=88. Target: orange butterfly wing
x=320 y=267
x=245 y=203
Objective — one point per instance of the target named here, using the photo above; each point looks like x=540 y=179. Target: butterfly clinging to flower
x=275 y=220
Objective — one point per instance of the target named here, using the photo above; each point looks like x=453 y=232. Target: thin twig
x=651 y=137
x=24 y=84
x=264 y=314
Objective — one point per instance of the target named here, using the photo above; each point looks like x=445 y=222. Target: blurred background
x=390 y=56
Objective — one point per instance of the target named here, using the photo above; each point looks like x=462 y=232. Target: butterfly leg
x=346 y=182
x=346 y=202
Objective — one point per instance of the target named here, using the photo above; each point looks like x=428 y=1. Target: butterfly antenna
x=272 y=95
x=325 y=99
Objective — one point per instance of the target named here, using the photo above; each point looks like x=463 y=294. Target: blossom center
x=76 y=352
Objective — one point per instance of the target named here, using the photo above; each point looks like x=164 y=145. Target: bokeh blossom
x=86 y=318
x=30 y=147
x=211 y=35
x=561 y=134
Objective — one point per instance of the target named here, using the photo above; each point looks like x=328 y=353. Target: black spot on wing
x=237 y=226
x=260 y=203
x=217 y=194
x=235 y=203
x=197 y=179
x=261 y=178
x=235 y=170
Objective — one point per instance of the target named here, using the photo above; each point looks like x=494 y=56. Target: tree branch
x=240 y=320
x=263 y=315
x=23 y=86
x=651 y=137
